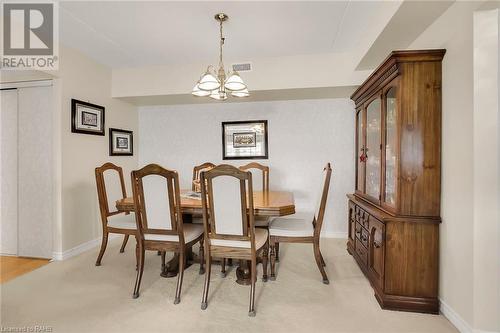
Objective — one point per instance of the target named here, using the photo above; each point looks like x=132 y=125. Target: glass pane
x=373 y=149
x=390 y=146
x=361 y=166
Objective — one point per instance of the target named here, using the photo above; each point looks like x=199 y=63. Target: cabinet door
x=351 y=223
x=360 y=151
x=390 y=143
x=373 y=149
x=376 y=251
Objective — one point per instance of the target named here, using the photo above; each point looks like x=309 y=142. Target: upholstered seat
x=191 y=232
x=122 y=221
x=260 y=240
x=291 y=227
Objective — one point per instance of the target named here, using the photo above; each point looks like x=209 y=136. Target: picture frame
x=247 y=139
x=121 y=142
x=87 y=118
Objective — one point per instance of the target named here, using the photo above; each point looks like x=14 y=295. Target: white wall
x=458 y=242
x=81 y=78
x=486 y=170
x=303 y=136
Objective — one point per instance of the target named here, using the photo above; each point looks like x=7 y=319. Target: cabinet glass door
x=373 y=149
x=390 y=147
x=360 y=144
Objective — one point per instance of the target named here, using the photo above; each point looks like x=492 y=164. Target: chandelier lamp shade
x=216 y=84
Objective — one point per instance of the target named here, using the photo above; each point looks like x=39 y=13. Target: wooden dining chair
x=253 y=167
x=228 y=219
x=296 y=230
x=197 y=169
x=159 y=220
x=110 y=188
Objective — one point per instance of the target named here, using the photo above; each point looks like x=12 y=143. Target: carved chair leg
x=182 y=259
x=273 y=259
x=202 y=256
x=223 y=267
x=125 y=240
x=140 y=270
x=277 y=252
x=317 y=256
x=265 y=256
x=251 y=309
x=230 y=262
x=322 y=260
x=137 y=255
x=103 y=248
x=208 y=262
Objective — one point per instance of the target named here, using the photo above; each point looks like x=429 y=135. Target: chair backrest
x=110 y=187
x=252 y=167
x=197 y=169
x=227 y=200
x=157 y=201
x=319 y=213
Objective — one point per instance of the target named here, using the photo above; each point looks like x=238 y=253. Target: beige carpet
x=76 y=296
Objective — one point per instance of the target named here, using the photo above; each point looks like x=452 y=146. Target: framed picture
x=87 y=118
x=244 y=140
x=121 y=142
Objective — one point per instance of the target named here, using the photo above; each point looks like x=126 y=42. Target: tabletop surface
x=270 y=203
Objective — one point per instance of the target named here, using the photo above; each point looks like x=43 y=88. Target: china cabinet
x=393 y=217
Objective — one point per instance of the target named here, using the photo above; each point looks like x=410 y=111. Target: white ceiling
x=142 y=33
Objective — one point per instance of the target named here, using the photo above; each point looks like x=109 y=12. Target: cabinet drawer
x=361 y=252
x=362 y=217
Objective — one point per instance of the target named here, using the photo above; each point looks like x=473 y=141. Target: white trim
x=334 y=234
x=461 y=325
x=84 y=247
x=26 y=84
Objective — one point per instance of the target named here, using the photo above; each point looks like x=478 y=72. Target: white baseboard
x=334 y=234
x=63 y=255
x=457 y=321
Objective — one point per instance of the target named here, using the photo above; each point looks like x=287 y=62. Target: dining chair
x=296 y=230
x=253 y=167
x=228 y=219
x=197 y=169
x=159 y=220
x=110 y=188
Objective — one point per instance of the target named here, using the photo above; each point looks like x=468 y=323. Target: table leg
x=172 y=267
x=243 y=273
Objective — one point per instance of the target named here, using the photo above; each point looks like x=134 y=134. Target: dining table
x=266 y=204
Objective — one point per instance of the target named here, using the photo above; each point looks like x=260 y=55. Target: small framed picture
x=244 y=140
x=121 y=142
x=87 y=118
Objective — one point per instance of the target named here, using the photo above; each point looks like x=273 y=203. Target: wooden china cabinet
x=394 y=211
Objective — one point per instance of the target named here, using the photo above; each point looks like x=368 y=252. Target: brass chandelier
x=216 y=84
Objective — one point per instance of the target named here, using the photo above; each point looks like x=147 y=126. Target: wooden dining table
x=266 y=203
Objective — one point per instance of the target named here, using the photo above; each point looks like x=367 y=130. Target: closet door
x=35 y=172
x=8 y=157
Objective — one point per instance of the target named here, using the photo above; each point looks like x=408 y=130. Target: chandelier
x=217 y=85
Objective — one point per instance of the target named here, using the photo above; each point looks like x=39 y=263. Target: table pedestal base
x=243 y=274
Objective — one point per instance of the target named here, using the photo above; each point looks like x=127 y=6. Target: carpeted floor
x=76 y=296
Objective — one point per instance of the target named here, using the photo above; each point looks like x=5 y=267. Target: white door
x=8 y=167
x=27 y=169
x=35 y=163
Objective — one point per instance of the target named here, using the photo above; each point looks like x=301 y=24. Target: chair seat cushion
x=122 y=221
x=261 y=236
x=191 y=232
x=291 y=227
